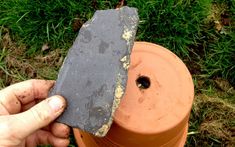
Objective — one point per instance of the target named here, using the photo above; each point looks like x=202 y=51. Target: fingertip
x=61 y=97
x=46 y=138
x=41 y=87
x=59 y=142
x=60 y=130
x=50 y=83
x=57 y=103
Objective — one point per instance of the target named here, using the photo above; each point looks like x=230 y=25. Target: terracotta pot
x=156 y=106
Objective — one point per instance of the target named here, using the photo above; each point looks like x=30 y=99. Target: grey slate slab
x=94 y=73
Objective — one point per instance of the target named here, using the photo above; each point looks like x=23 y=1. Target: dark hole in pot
x=143 y=82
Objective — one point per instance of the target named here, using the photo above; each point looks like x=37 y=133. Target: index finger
x=12 y=97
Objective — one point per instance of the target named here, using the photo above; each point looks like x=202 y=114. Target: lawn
x=36 y=35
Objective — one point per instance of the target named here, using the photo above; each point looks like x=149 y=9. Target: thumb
x=38 y=116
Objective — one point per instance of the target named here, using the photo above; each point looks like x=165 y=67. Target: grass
x=201 y=33
x=52 y=19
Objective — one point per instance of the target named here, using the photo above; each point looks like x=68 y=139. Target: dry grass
x=16 y=66
x=213 y=120
x=216 y=11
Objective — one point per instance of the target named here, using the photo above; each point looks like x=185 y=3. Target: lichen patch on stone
x=119 y=91
x=85 y=25
x=103 y=130
x=126 y=65
x=123 y=59
x=125 y=62
x=127 y=34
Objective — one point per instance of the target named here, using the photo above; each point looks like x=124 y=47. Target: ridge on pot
x=156 y=106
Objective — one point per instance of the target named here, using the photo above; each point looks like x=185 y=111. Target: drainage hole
x=143 y=82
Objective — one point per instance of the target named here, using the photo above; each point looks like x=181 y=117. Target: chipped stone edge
x=119 y=90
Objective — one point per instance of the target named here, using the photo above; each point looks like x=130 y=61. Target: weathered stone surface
x=94 y=74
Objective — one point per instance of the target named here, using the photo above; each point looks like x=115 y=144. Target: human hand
x=26 y=115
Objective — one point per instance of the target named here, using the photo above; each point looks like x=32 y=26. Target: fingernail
x=56 y=103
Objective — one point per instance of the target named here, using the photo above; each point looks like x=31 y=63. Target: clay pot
x=156 y=106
